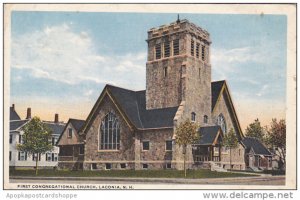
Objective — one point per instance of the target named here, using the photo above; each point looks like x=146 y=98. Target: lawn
x=201 y=173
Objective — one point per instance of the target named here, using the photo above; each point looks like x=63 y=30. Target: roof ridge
x=111 y=85
x=76 y=119
x=219 y=81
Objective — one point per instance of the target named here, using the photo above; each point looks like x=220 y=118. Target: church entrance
x=202 y=153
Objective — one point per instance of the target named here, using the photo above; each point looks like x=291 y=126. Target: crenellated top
x=178 y=27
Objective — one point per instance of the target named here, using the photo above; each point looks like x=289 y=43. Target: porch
x=206 y=153
x=209 y=146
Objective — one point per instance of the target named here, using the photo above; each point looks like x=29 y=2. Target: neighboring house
x=257 y=156
x=19 y=159
x=71 y=154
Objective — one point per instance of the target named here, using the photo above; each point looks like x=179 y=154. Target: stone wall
x=237 y=158
x=157 y=156
x=99 y=158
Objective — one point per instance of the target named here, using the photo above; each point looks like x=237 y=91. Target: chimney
x=28 y=113
x=13 y=107
x=56 y=118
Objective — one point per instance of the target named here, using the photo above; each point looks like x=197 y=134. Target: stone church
x=129 y=129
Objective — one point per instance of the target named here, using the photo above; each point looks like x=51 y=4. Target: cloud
x=264 y=53
x=263 y=90
x=61 y=54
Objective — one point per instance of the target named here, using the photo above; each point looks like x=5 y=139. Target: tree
x=186 y=133
x=230 y=140
x=276 y=138
x=36 y=139
x=255 y=130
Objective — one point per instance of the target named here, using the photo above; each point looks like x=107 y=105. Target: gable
x=17 y=124
x=97 y=107
x=223 y=104
x=132 y=107
x=256 y=146
x=13 y=115
x=65 y=140
x=209 y=135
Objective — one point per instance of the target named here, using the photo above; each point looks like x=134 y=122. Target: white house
x=18 y=159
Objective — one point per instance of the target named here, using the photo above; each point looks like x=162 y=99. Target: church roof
x=13 y=115
x=208 y=134
x=133 y=103
x=216 y=88
x=256 y=145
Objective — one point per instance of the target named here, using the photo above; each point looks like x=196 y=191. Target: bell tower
x=178 y=68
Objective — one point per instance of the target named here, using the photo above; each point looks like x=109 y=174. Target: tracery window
x=109 y=133
x=222 y=123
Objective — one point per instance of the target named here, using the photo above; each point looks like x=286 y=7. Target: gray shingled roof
x=256 y=145
x=77 y=123
x=13 y=115
x=215 y=91
x=133 y=103
x=14 y=125
x=57 y=128
x=208 y=134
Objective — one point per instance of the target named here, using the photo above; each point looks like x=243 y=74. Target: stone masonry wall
x=126 y=152
x=157 y=156
x=238 y=155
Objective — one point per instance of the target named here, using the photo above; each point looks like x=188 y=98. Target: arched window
x=193 y=116
x=109 y=133
x=205 y=119
x=222 y=123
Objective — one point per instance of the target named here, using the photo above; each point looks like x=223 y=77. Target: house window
x=10 y=156
x=21 y=139
x=36 y=156
x=123 y=165
x=192 y=48
x=48 y=157
x=22 y=156
x=199 y=73
x=70 y=133
x=203 y=52
x=239 y=152
x=167 y=49
x=145 y=166
x=193 y=117
x=222 y=123
x=51 y=157
x=158 y=51
x=176 y=47
x=197 y=50
x=169 y=145
x=54 y=140
x=81 y=149
x=168 y=165
x=205 y=119
x=10 y=138
x=107 y=166
x=146 y=145
x=165 y=71
x=110 y=133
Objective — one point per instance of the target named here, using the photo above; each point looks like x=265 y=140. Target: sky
x=61 y=61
